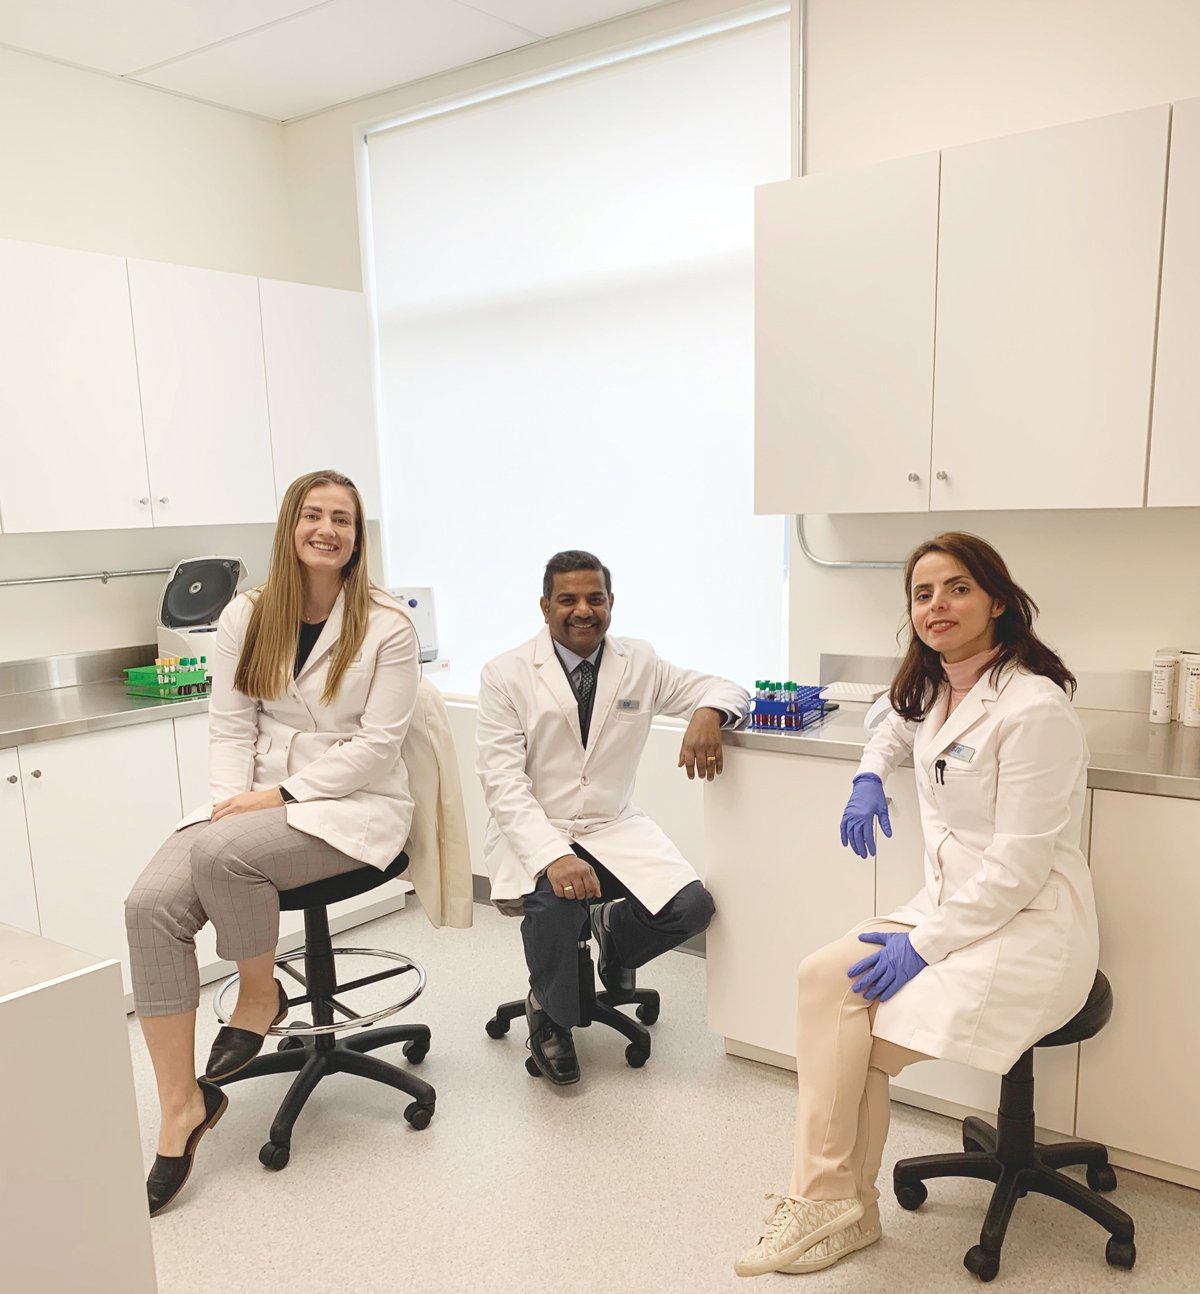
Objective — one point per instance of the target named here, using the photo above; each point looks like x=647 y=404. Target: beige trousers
x=844 y=1106
x=230 y=873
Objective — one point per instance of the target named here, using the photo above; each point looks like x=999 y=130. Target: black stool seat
x=595 y=1007
x=334 y=889
x=313 y=1052
x=1008 y=1155
x=1088 y=1020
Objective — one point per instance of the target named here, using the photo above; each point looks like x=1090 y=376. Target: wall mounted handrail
x=102 y=576
x=844 y=566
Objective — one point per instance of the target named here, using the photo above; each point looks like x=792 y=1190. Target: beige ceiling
x=280 y=58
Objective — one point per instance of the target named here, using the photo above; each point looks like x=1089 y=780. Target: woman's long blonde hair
x=273 y=634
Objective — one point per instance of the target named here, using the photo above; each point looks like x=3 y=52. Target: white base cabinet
x=98 y=807
x=18 y=897
x=1137 y=1077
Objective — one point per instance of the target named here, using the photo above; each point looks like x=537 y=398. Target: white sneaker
x=827 y=1252
x=794 y=1225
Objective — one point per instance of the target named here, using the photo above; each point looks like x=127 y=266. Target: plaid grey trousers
x=230 y=873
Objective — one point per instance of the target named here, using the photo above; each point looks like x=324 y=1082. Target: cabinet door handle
x=37 y=772
x=144 y=500
x=913 y=477
x=12 y=777
x=941 y=476
x=164 y=499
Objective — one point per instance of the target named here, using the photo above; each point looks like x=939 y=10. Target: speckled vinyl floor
x=632 y=1180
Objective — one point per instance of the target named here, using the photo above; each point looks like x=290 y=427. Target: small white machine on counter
x=419 y=605
x=194 y=596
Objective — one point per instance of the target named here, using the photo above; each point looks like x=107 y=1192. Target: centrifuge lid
x=198 y=590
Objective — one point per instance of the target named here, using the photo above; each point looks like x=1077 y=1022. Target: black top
x=308 y=640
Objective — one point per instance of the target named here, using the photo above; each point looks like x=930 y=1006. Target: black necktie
x=585 y=685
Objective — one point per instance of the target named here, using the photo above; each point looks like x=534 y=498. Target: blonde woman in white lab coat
x=315 y=681
x=1000 y=946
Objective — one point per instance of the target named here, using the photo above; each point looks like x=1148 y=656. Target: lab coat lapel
x=553 y=675
x=328 y=637
x=973 y=707
x=608 y=681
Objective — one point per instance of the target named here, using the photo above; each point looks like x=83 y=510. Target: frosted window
x=564 y=280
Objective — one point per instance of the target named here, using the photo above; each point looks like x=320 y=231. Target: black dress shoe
x=234 y=1049
x=552 y=1047
x=169 y=1172
x=619 y=980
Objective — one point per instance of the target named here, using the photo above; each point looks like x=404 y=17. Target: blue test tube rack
x=792 y=715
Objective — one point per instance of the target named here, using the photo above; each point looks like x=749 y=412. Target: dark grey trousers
x=552 y=928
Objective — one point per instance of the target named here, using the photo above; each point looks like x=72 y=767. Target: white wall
x=55 y=619
x=889 y=78
x=97 y=163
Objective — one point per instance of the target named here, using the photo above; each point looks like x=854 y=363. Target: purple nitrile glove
x=885 y=973
x=867 y=802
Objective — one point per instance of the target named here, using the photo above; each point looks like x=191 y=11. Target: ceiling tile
x=552 y=17
x=338 y=52
x=121 y=36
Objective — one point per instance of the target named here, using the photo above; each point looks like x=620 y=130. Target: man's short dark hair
x=574 y=559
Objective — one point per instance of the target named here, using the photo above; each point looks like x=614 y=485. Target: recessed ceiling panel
x=122 y=36
x=552 y=17
x=337 y=52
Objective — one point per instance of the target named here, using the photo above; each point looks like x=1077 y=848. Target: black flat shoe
x=552 y=1047
x=170 y=1172
x=619 y=980
x=234 y=1049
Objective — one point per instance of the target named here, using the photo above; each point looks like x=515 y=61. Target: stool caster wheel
x=911 y=1195
x=981 y=1263
x=647 y=1013
x=1102 y=1178
x=415 y=1051
x=418 y=1115
x=290 y=1044
x=274 y=1156
x=1120 y=1253
x=531 y=1067
x=636 y=1056
x=496 y=1028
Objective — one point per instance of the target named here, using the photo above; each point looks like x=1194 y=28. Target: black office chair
x=312 y=1051
x=1008 y=1155
x=599 y=1007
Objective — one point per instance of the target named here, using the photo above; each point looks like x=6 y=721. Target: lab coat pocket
x=1044 y=901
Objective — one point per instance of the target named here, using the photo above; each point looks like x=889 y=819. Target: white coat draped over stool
x=1007 y=918
x=544 y=790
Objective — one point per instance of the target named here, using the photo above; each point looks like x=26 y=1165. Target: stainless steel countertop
x=90 y=707
x=1129 y=753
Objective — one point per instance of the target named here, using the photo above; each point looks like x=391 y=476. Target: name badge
x=957 y=751
x=629 y=706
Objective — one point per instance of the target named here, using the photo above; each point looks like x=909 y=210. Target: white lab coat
x=1007 y=918
x=342 y=761
x=544 y=790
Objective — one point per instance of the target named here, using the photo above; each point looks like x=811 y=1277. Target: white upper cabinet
x=204 y=400
x=845 y=282
x=1048 y=266
x=71 y=451
x=319 y=387
x=1175 y=435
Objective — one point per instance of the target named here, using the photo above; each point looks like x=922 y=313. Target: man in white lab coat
x=563 y=721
